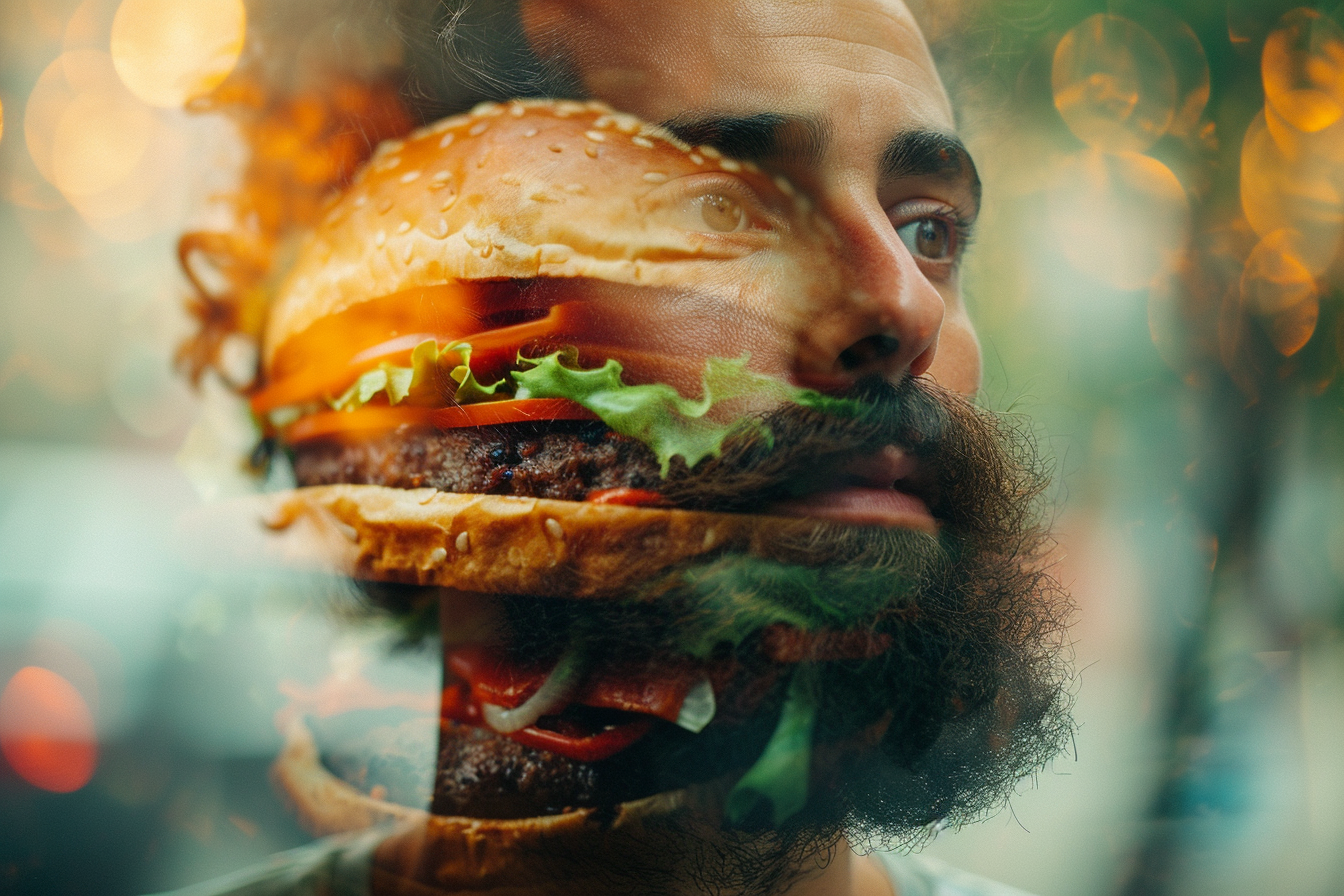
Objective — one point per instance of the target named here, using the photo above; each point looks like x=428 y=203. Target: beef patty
x=559 y=459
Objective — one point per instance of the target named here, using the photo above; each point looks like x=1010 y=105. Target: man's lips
x=879 y=489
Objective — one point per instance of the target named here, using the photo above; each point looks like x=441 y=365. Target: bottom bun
x=422 y=853
x=484 y=543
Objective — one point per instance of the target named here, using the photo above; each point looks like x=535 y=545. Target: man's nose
x=882 y=318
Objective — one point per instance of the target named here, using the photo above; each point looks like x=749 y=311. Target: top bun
x=526 y=189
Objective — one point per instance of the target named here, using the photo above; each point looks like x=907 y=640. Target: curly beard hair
x=973 y=692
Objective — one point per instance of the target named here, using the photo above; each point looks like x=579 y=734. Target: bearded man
x=885 y=657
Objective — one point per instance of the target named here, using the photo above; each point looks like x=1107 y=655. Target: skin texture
x=844 y=79
x=847 y=78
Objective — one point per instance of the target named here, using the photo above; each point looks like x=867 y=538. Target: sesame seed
x=626 y=124
x=530 y=132
x=655 y=177
x=595 y=136
x=517 y=110
x=709 y=538
x=556 y=147
x=697 y=158
x=486 y=108
x=437 y=556
x=710 y=152
x=410 y=177
x=361 y=200
x=463 y=542
x=403 y=227
x=447 y=139
x=555 y=529
x=439 y=230
x=590 y=151
x=448 y=202
x=384 y=205
x=730 y=165
x=380 y=238
x=642 y=141
x=478 y=128
x=407 y=253
x=785 y=187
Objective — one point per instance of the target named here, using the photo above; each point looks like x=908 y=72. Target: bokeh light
x=1113 y=84
x=85 y=131
x=169 y=52
x=1119 y=217
x=46 y=731
x=98 y=141
x=1303 y=70
x=1302 y=193
x=1279 y=290
x=1189 y=62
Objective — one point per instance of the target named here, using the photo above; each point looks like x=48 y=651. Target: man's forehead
x=663 y=57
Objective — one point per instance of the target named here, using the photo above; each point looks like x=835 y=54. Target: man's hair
x=463 y=52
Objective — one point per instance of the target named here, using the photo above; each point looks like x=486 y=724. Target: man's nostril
x=868 y=351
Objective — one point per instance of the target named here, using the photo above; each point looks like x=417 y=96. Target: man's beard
x=969 y=694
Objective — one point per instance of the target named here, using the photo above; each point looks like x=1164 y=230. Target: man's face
x=840 y=97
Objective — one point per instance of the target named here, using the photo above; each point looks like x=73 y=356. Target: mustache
x=979 y=472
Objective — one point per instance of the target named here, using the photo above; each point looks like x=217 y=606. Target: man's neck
x=848 y=874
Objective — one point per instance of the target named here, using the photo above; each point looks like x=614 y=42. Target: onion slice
x=698 y=708
x=553 y=694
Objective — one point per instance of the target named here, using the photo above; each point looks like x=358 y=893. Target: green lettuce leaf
x=777 y=782
x=421 y=382
x=656 y=414
x=732 y=597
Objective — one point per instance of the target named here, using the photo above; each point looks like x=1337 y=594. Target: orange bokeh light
x=1299 y=192
x=46 y=731
x=1113 y=84
x=1279 y=290
x=169 y=52
x=1303 y=70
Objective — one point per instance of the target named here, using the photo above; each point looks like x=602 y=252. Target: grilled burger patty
x=482 y=774
x=559 y=459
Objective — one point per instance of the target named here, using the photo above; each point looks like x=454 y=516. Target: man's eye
x=722 y=214
x=931 y=238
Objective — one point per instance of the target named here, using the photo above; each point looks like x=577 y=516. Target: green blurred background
x=1157 y=280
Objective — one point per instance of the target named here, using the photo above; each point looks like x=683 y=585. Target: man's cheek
x=956 y=365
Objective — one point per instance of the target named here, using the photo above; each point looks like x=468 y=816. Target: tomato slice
x=631 y=497
x=493 y=678
x=325 y=359
x=372 y=420
x=458 y=705
x=321 y=354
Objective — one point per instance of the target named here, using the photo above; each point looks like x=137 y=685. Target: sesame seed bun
x=484 y=543
x=527 y=189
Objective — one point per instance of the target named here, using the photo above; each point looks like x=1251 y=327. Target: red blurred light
x=46 y=731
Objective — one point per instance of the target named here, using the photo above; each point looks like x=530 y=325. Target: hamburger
x=537 y=373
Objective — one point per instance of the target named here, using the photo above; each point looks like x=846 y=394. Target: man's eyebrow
x=926 y=153
x=760 y=137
